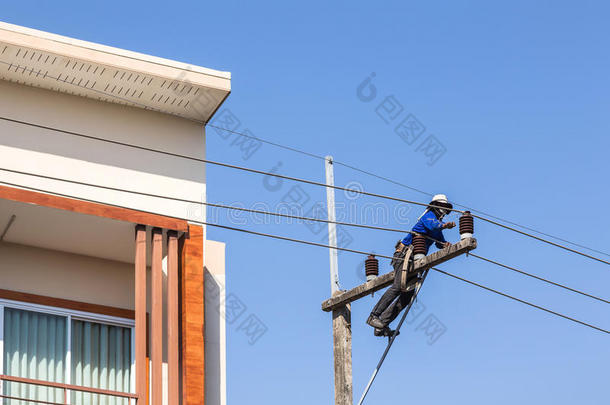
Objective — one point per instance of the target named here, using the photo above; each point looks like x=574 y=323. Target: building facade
x=104 y=260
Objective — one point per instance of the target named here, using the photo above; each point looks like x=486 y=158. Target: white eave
x=86 y=69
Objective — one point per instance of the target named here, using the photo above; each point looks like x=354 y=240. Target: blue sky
x=515 y=92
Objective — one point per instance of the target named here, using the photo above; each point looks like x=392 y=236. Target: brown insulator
x=371 y=266
x=419 y=244
x=466 y=223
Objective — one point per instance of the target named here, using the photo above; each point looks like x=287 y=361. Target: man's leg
x=390 y=295
x=390 y=313
x=386 y=299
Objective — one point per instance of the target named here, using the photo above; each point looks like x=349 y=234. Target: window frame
x=69 y=314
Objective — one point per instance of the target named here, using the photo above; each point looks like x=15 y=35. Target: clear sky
x=516 y=93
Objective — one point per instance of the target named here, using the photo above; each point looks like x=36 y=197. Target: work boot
x=375 y=322
x=387 y=332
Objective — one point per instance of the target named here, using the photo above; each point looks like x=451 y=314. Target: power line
x=128 y=101
x=212 y=162
x=387 y=179
x=300 y=241
x=393 y=337
x=469 y=208
x=310 y=219
x=302 y=152
x=522 y=301
x=315 y=183
x=540 y=239
x=538 y=277
x=215 y=205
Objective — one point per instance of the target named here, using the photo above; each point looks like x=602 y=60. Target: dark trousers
x=393 y=300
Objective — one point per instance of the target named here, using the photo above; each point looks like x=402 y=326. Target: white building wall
x=215 y=325
x=68 y=276
x=33 y=149
x=50 y=153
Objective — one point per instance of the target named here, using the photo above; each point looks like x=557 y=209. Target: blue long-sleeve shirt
x=428 y=225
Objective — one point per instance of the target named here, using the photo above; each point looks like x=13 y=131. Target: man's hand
x=446 y=244
x=449 y=225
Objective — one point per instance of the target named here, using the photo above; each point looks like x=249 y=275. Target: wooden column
x=140 y=316
x=156 y=326
x=192 y=300
x=342 y=341
x=172 y=317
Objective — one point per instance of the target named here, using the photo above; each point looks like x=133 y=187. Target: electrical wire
x=470 y=208
x=393 y=337
x=212 y=162
x=387 y=179
x=300 y=241
x=540 y=239
x=129 y=101
x=522 y=301
x=361 y=192
x=216 y=205
x=538 y=278
x=302 y=152
x=310 y=219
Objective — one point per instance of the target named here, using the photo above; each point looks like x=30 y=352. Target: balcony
x=93 y=307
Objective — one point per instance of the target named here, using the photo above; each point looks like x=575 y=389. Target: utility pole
x=332 y=227
x=340 y=306
x=342 y=315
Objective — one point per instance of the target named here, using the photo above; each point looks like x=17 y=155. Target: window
x=55 y=345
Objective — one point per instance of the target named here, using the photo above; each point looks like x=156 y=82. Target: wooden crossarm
x=433 y=259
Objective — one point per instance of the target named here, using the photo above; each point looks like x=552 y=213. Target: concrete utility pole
x=340 y=305
x=342 y=315
x=332 y=227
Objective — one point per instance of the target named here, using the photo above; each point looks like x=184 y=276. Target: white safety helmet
x=441 y=198
x=442 y=204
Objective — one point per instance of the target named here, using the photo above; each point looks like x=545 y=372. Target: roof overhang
x=86 y=69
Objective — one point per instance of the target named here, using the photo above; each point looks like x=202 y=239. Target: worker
x=396 y=298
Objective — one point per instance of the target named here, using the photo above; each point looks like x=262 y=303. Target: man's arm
x=432 y=224
x=434 y=228
x=446 y=225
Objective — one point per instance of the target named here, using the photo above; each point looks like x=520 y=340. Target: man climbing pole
x=396 y=298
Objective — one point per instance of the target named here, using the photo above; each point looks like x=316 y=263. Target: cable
x=368 y=173
x=302 y=152
x=538 y=278
x=129 y=101
x=469 y=208
x=392 y=338
x=300 y=241
x=300 y=180
x=300 y=218
x=521 y=301
x=212 y=162
x=541 y=239
x=277 y=214
x=388 y=257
